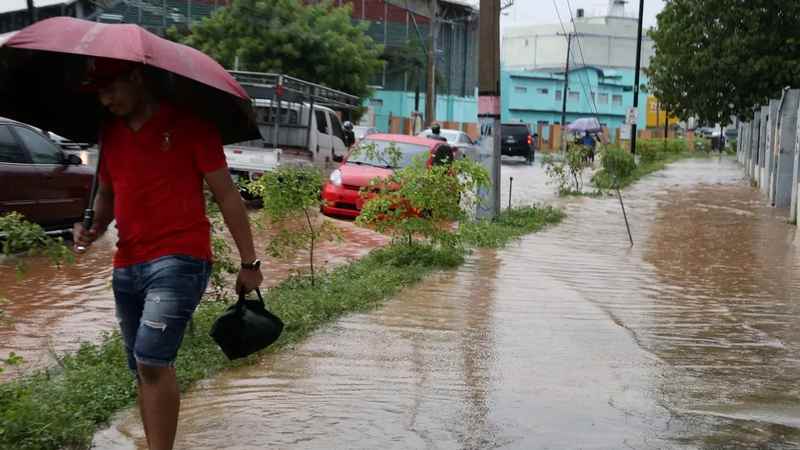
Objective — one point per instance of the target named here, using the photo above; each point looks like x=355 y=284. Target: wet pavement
x=53 y=310
x=567 y=339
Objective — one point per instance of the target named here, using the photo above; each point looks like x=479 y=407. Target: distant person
x=436 y=131
x=589 y=142
x=349 y=134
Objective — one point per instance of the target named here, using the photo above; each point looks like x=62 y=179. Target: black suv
x=517 y=140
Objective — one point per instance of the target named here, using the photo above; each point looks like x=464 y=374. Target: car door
x=19 y=179
x=324 y=145
x=337 y=135
x=63 y=188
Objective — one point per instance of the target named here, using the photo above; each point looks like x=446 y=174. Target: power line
x=586 y=91
x=593 y=102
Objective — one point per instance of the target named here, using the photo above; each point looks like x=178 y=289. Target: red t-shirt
x=157 y=177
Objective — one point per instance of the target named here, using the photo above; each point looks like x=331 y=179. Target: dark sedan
x=40 y=181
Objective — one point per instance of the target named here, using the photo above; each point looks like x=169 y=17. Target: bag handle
x=240 y=303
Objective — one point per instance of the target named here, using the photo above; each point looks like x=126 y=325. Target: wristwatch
x=255 y=265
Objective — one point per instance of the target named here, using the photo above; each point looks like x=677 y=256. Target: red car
x=341 y=194
x=40 y=181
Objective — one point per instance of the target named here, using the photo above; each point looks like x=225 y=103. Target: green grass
x=602 y=180
x=61 y=407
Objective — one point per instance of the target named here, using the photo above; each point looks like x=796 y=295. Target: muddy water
x=568 y=339
x=53 y=310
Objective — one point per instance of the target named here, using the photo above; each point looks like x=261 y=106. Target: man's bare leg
x=159 y=401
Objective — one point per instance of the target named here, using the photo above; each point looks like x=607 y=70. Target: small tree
x=567 y=173
x=223 y=262
x=291 y=198
x=423 y=201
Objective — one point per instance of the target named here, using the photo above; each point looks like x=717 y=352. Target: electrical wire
x=593 y=102
x=586 y=90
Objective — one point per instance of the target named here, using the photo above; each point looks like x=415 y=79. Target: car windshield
x=450 y=135
x=380 y=155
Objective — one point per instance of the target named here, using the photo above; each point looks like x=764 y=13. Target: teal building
x=535 y=97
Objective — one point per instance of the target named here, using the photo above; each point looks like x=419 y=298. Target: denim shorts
x=154 y=302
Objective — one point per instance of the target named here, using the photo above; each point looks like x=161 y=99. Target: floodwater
x=569 y=339
x=52 y=310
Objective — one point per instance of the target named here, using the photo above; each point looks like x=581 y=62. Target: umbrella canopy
x=585 y=125
x=42 y=68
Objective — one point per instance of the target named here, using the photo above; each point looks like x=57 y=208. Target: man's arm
x=103 y=216
x=233 y=211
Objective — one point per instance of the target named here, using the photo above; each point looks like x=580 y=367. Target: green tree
x=291 y=204
x=718 y=58
x=422 y=201
x=317 y=42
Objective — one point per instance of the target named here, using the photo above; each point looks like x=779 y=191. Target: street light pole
x=564 y=96
x=489 y=102
x=636 y=76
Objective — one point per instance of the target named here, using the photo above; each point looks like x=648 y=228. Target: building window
x=574 y=96
x=616 y=100
x=602 y=99
x=520 y=90
x=558 y=95
x=543 y=91
x=376 y=103
x=543 y=123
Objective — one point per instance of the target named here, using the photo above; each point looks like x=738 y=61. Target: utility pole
x=636 y=82
x=489 y=103
x=564 y=96
x=31 y=11
x=430 y=92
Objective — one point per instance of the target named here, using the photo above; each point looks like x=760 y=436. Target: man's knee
x=153 y=374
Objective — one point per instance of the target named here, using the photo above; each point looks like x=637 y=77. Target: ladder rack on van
x=283 y=87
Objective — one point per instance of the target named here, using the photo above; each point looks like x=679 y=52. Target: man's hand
x=82 y=237
x=248 y=280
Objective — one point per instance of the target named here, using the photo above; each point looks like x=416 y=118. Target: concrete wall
x=769 y=150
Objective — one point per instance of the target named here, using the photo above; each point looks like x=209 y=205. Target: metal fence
x=769 y=149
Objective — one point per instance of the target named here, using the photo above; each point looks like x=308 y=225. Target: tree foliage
x=422 y=201
x=292 y=201
x=316 y=42
x=718 y=58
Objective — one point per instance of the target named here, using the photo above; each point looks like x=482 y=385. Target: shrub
x=291 y=197
x=567 y=173
x=618 y=163
x=419 y=201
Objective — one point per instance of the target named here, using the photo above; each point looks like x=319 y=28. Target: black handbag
x=246 y=327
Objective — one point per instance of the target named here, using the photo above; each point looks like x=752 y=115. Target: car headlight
x=336 y=177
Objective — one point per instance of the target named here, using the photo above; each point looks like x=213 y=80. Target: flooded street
x=53 y=310
x=567 y=339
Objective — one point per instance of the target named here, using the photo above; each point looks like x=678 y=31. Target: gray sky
x=544 y=12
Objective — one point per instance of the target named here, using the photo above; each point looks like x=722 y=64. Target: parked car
x=517 y=140
x=458 y=139
x=40 y=181
x=342 y=192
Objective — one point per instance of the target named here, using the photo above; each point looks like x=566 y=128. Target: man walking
x=156 y=158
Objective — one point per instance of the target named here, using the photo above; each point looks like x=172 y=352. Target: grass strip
x=602 y=180
x=61 y=407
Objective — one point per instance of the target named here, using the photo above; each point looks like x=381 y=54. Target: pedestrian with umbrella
x=161 y=112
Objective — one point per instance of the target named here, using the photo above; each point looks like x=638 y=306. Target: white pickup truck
x=290 y=132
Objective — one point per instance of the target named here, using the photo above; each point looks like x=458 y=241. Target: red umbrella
x=42 y=68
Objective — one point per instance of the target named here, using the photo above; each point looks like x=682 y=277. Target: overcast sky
x=544 y=12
